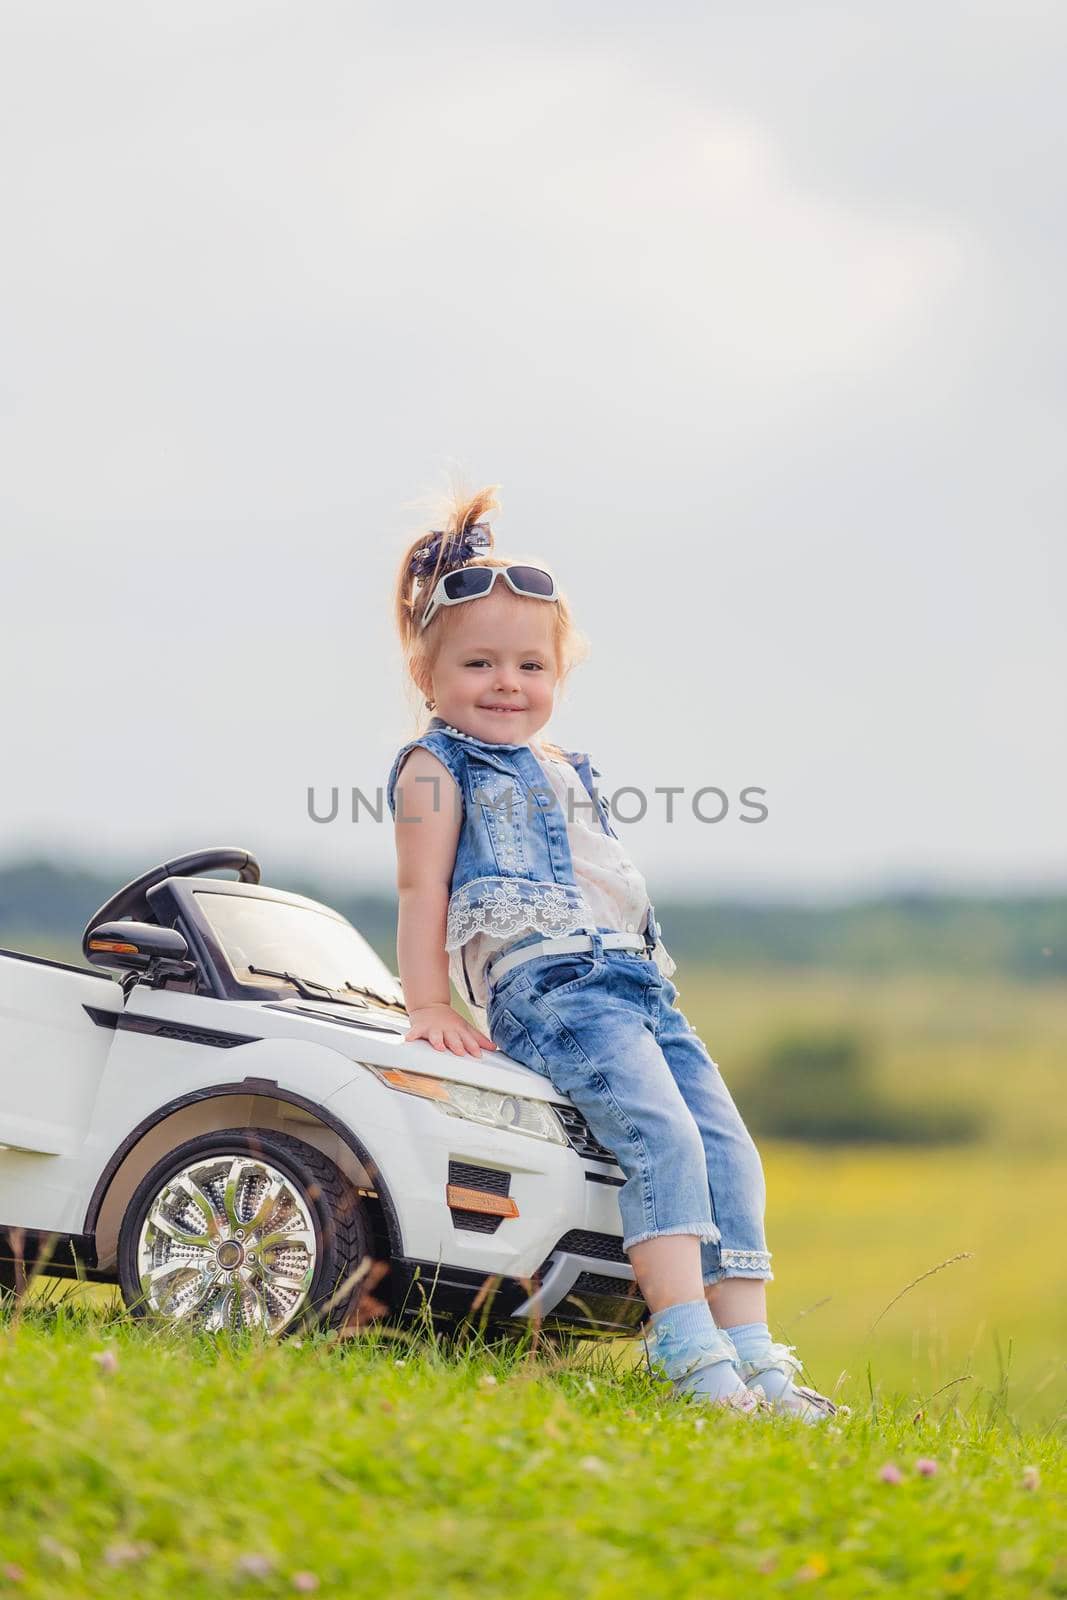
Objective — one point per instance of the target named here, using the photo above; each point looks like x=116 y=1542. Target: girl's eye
x=484 y=663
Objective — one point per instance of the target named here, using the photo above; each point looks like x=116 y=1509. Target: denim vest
x=513 y=866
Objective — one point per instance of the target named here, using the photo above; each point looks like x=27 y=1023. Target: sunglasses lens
x=468 y=581
x=532 y=579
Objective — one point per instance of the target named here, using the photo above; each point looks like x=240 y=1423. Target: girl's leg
x=668 y=1269
x=735 y=1268
x=737 y=1300
x=594 y=1037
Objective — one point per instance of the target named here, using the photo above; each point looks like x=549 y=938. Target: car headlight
x=487 y=1106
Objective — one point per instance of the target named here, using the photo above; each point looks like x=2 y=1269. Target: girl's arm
x=429 y=815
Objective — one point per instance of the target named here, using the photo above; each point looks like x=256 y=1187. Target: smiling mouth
x=506 y=710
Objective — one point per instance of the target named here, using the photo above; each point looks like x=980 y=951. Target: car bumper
x=559 y=1259
x=584 y=1294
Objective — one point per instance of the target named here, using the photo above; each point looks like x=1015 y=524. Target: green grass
x=850 y=1227
x=197 y=1467
x=391 y=1466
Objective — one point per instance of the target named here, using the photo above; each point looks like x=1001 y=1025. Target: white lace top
x=613 y=889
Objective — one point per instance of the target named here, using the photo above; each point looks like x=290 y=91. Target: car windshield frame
x=212 y=940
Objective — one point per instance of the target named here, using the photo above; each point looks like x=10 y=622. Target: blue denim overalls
x=602 y=1025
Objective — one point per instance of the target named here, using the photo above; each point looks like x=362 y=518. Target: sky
x=754 y=313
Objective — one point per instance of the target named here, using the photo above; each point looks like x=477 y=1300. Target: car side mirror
x=139 y=947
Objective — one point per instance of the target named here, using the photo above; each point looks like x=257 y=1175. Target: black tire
x=21 y=1261
x=342 y=1230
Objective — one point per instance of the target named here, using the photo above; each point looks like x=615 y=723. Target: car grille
x=475 y=1222
x=604 y=1246
x=491 y=1181
x=598 y=1283
x=580 y=1135
x=488 y=1179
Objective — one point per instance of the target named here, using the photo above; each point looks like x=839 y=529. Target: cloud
x=193 y=269
x=770 y=297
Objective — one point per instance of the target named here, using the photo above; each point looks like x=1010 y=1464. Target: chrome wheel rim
x=228 y=1242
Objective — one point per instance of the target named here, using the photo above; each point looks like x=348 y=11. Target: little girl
x=515 y=885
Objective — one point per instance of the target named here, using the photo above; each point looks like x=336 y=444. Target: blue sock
x=688 y=1320
x=751 y=1340
x=686 y=1331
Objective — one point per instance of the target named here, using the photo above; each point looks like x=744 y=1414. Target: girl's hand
x=446 y=1030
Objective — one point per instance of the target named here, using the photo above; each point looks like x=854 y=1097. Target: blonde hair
x=458 y=514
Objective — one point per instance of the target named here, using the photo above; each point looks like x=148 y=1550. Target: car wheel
x=239 y=1229
x=20 y=1262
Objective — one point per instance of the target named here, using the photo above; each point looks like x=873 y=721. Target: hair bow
x=460 y=549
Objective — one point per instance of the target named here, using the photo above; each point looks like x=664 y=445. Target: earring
x=430 y=704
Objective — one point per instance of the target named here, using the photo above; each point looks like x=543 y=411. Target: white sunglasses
x=472 y=583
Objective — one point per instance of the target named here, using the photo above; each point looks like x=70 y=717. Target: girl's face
x=495 y=674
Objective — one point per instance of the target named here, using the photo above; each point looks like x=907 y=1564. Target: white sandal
x=742 y=1398
x=787 y=1398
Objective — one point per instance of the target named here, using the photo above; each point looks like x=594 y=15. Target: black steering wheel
x=132 y=901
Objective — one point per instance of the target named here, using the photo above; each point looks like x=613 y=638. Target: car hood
x=377 y=1036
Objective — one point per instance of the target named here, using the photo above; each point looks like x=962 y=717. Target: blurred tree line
x=821 y=1086
x=44 y=906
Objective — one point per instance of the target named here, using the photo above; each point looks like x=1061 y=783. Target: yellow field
x=852 y=1227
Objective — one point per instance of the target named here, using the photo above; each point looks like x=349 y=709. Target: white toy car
x=233 y=1125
